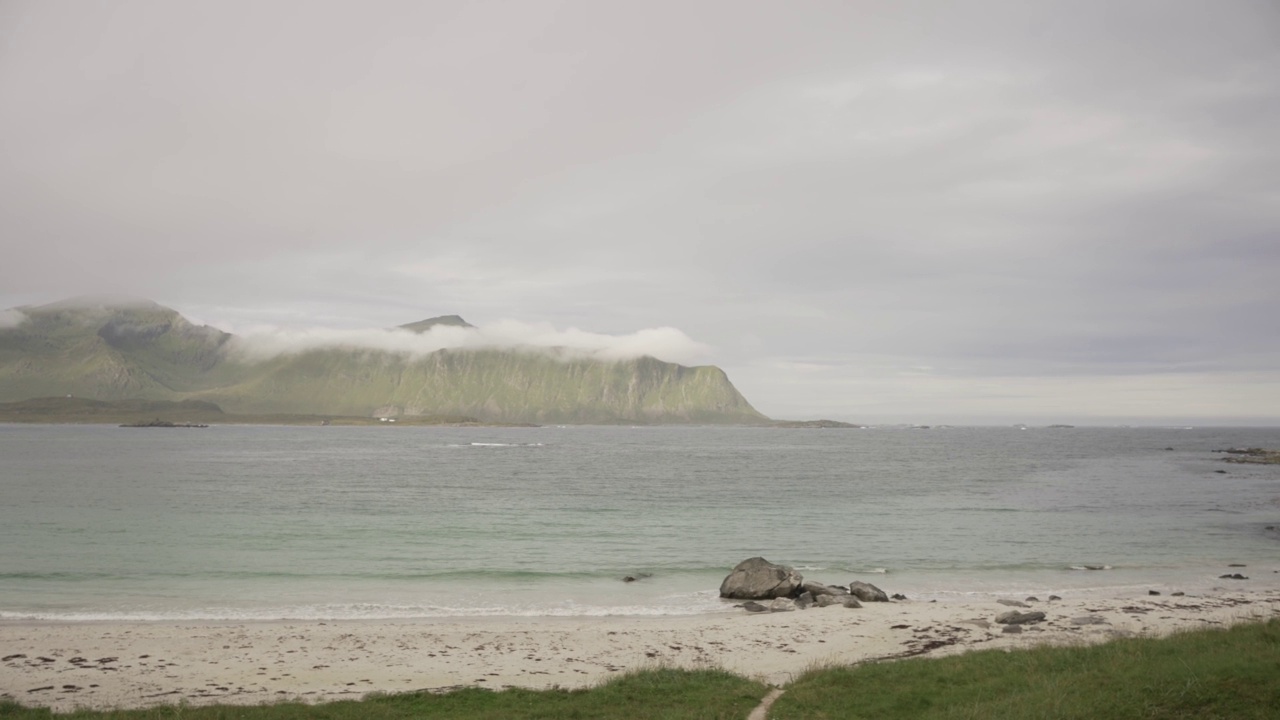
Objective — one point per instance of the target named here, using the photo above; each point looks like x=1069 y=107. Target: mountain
x=110 y=349
x=446 y=320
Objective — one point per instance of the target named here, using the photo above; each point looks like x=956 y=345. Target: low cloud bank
x=11 y=318
x=663 y=343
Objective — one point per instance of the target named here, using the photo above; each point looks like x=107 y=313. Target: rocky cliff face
x=110 y=351
x=495 y=385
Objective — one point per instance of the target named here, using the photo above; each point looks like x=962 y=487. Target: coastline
x=105 y=665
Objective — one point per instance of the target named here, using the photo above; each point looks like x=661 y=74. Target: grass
x=658 y=693
x=1232 y=673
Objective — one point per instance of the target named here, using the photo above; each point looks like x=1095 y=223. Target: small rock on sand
x=866 y=592
x=1013 y=617
x=1088 y=620
x=782 y=605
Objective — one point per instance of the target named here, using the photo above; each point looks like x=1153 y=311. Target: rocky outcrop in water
x=815 y=424
x=1251 y=456
x=158 y=423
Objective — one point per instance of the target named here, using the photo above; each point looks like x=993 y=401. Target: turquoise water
x=268 y=522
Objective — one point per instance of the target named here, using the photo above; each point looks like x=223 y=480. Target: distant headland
x=137 y=351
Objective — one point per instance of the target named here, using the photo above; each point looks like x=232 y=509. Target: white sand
x=104 y=665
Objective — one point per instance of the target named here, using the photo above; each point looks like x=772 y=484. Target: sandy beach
x=106 y=665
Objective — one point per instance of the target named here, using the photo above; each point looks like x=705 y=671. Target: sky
x=868 y=211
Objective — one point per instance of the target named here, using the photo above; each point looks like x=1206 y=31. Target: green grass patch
x=660 y=693
x=1233 y=673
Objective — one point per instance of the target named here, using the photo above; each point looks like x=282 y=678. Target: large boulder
x=866 y=592
x=759 y=579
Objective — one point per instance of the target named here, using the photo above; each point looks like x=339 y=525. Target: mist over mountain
x=114 y=348
x=428 y=336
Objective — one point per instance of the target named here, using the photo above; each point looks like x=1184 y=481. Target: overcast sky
x=873 y=211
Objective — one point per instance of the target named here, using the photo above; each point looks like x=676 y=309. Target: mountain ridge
x=144 y=350
x=440 y=320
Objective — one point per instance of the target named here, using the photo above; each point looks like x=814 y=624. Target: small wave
x=64 y=575
x=824 y=568
x=496 y=444
x=1018 y=590
x=1090 y=567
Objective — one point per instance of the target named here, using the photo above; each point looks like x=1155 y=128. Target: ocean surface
x=253 y=522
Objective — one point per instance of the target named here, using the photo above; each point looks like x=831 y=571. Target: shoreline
x=607 y=596
x=111 y=664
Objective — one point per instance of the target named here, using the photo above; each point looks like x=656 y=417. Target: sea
x=241 y=523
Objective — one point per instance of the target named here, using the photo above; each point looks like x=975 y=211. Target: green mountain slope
x=110 y=350
x=496 y=385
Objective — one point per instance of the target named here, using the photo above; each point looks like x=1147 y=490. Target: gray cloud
x=1076 y=202
x=11 y=318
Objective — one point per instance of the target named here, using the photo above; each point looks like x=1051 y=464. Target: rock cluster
x=1253 y=455
x=783 y=590
x=758 y=579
